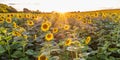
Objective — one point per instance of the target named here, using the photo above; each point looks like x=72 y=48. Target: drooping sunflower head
x=55 y=30
x=8 y=20
x=15 y=33
x=68 y=42
x=30 y=23
x=45 y=27
x=49 y=36
x=42 y=57
x=88 y=40
x=66 y=27
x=76 y=43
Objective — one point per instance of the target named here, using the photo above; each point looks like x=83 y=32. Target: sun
x=61 y=11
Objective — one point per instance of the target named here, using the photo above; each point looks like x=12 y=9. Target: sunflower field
x=91 y=35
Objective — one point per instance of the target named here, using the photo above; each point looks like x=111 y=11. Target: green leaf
x=2 y=42
x=17 y=54
x=118 y=51
x=24 y=58
x=111 y=58
x=8 y=38
x=30 y=52
x=112 y=49
x=2 y=50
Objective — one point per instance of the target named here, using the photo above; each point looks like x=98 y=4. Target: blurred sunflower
x=42 y=57
x=21 y=29
x=30 y=23
x=1 y=20
x=15 y=33
x=55 y=30
x=88 y=40
x=76 y=43
x=45 y=27
x=14 y=25
x=49 y=36
x=35 y=37
x=25 y=36
x=66 y=27
x=49 y=23
x=68 y=42
x=60 y=25
x=8 y=20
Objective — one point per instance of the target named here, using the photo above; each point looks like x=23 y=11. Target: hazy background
x=62 y=5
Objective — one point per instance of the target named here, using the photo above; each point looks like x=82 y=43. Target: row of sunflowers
x=60 y=36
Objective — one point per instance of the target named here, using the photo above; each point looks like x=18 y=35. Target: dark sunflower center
x=49 y=36
x=30 y=22
x=42 y=58
x=8 y=20
x=67 y=41
x=45 y=26
x=1 y=20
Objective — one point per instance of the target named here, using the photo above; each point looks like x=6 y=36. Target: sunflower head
x=30 y=23
x=25 y=36
x=68 y=42
x=35 y=37
x=45 y=27
x=1 y=20
x=42 y=57
x=49 y=23
x=15 y=33
x=55 y=30
x=8 y=20
x=76 y=43
x=49 y=36
x=66 y=27
x=14 y=25
x=88 y=40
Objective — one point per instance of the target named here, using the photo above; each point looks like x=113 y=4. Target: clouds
x=64 y=5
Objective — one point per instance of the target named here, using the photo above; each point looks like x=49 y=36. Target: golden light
x=61 y=12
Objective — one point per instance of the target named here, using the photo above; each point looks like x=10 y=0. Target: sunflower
x=76 y=43
x=45 y=27
x=60 y=25
x=42 y=57
x=15 y=33
x=49 y=23
x=49 y=36
x=14 y=25
x=30 y=23
x=27 y=16
x=1 y=20
x=68 y=42
x=25 y=36
x=21 y=29
x=88 y=40
x=8 y=15
x=8 y=20
x=66 y=27
x=55 y=30
x=35 y=37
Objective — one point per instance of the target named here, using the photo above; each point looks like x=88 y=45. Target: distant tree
x=11 y=9
x=5 y=8
x=25 y=10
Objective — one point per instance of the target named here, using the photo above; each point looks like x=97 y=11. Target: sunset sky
x=62 y=5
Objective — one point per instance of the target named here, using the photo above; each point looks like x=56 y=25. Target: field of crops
x=60 y=36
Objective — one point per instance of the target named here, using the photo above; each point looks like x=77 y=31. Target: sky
x=63 y=5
